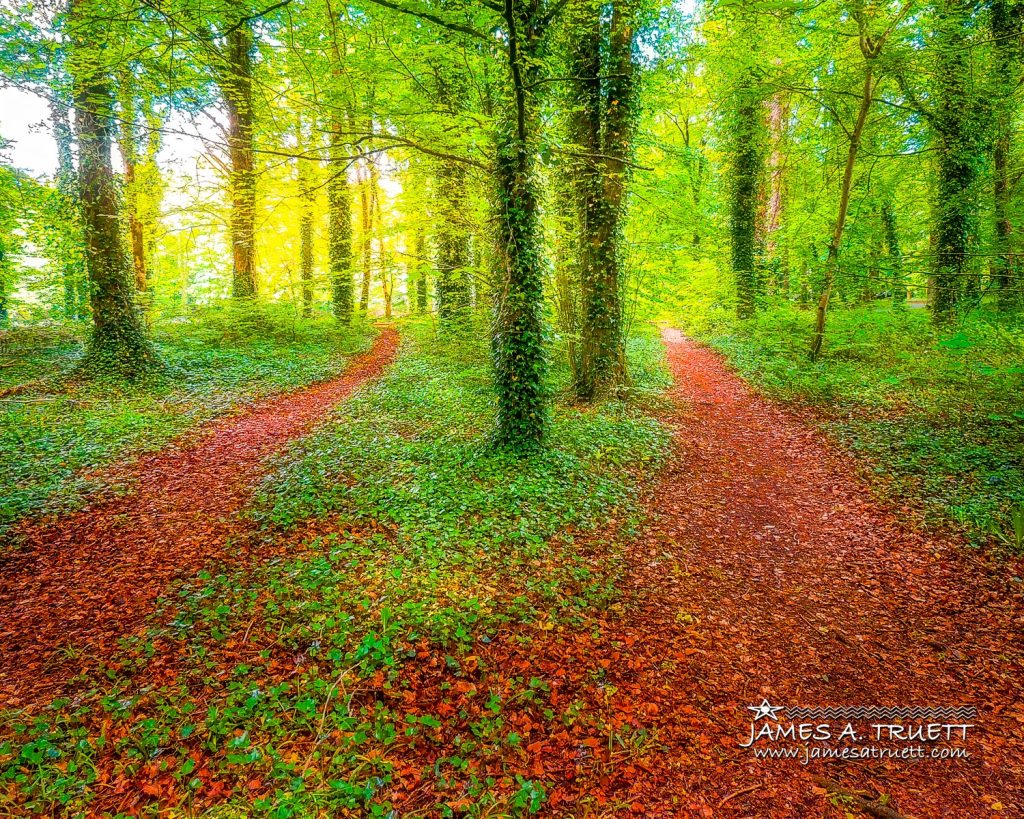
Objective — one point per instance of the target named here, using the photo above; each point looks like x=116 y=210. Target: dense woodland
x=558 y=167
x=249 y=196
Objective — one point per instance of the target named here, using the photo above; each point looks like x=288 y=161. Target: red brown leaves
x=83 y=581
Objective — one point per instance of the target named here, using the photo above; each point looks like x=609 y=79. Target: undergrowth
x=56 y=430
x=937 y=414
x=348 y=679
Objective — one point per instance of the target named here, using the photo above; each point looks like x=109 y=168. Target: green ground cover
x=293 y=688
x=56 y=430
x=937 y=414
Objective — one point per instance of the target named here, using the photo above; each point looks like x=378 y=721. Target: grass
x=58 y=431
x=937 y=415
x=347 y=678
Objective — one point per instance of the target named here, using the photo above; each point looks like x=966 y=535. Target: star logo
x=765 y=710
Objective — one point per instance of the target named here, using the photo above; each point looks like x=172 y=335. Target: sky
x=25 y=122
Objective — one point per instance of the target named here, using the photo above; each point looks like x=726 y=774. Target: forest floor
x=767 y=571
x=77 y=584
x=383 y=669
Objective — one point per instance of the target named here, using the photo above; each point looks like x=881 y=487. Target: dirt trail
x=87 y=579
x=769 y=572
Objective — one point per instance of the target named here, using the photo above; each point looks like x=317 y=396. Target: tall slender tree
x=870 y=49
x=957 y=117
x=307 y=203
x=339 y=227
x=1007 y=17
x=235 y=77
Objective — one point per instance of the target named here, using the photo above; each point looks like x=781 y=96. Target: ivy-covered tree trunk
x=584 y=170
x=339 y=227
x=1006 y=23
x=959 y=159
x=73 y=276
x=747 y=172
x=602 y=104
x=451 y=289
x=421 y=270
x=128 y=144
x=306 y=203
x=118 y=342
x=368 y=195
x=517 y=341
x=236 y=87
x=895 y=253
x=607 y=313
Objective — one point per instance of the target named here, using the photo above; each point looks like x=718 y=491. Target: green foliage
x=58 y=431
x=302 y=674
x=423 y=430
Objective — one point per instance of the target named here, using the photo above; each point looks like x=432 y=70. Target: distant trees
x=491 y=148
x=1006 y=24
x=870 y=48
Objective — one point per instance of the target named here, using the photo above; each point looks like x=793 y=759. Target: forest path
x=80 y=583
x=768 y=571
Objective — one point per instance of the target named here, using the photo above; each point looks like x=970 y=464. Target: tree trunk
x=585 y=174
x=306 y=206
x=517 y=340
x=236 y=87
x=747 y=172
x=128 y=143
x=74 y=278
x=778 y=116
x=832 y=261
x=621 y=111
x=567 y=264
x=384 y=269
x=367 y=195
x=452 y=285
x=603 y=124
x=119 y=342
x=1006 y=34
x=421 y=270
x=451 y=291
x=957 y=161
x=893 y=249
x=339 y=218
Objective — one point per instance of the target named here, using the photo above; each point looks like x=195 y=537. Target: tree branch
x=433 y=18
